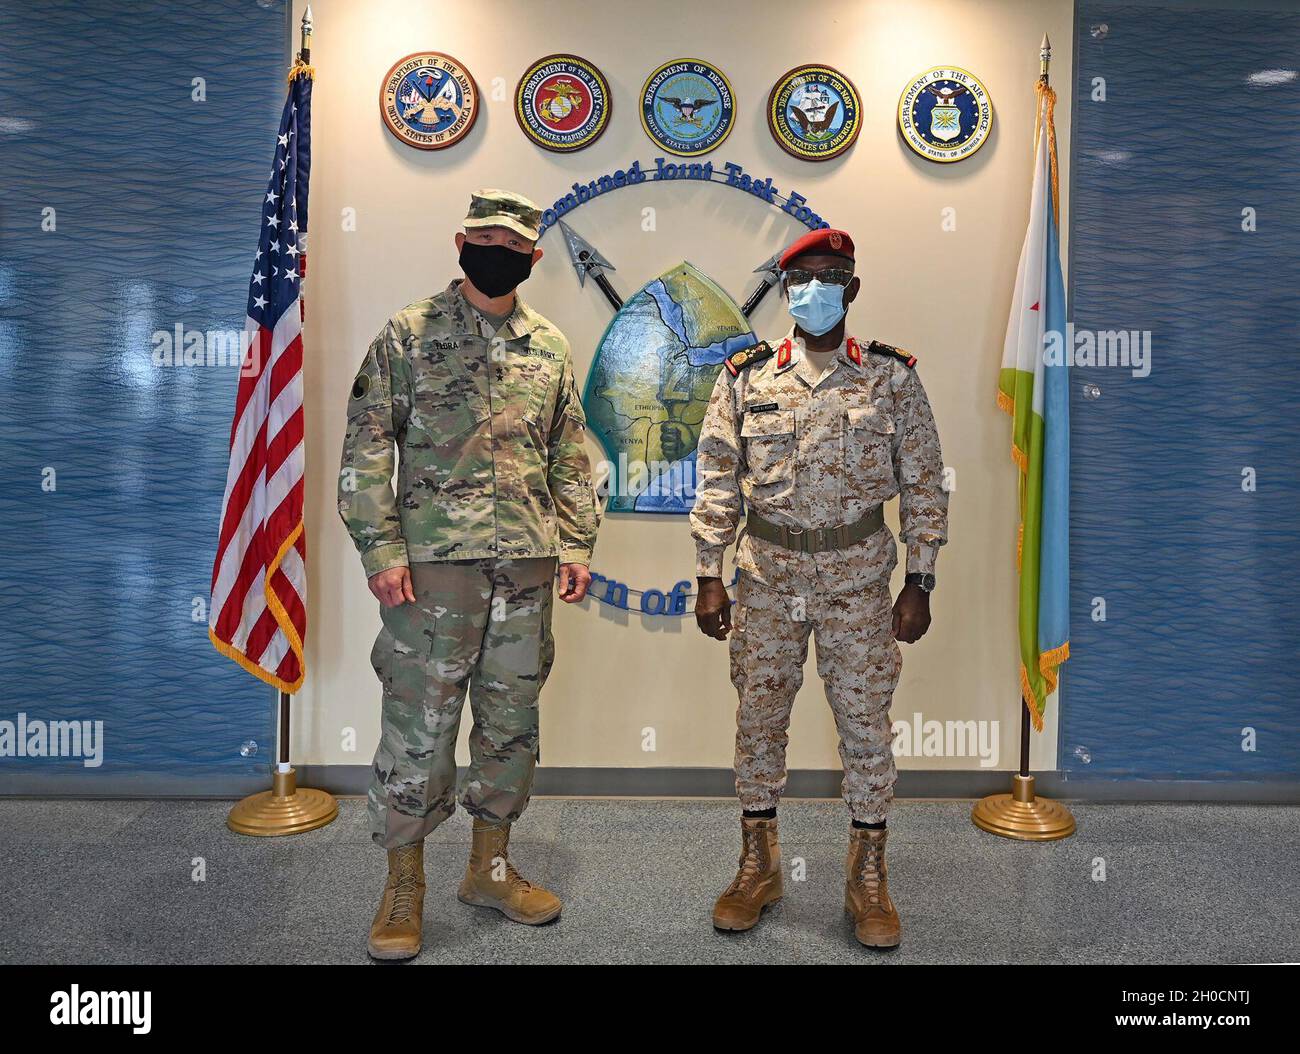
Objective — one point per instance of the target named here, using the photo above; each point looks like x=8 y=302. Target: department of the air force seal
x=429 y=100
x=687 y=107
x=945 y=114
x=562 y=103
x=814 y=113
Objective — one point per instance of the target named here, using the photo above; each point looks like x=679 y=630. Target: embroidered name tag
x=759 y=408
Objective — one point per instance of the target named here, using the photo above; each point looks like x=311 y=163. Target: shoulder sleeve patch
x=746 y=357
x=905 y=357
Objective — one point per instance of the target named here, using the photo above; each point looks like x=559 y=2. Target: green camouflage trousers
x=484 y=625
x=858 y=661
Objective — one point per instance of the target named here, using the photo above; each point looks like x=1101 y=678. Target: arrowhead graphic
x=770 y=265
x=583 y=254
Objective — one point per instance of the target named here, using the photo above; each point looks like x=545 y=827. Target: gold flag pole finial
x=302 y=66
x=305 y=50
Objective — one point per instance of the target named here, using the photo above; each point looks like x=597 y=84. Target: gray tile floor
x=99 y=881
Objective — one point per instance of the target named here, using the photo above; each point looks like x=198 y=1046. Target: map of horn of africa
x=650 y=382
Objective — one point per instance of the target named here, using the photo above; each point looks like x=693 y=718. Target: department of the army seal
x=945 y=114
x=814 y=112
x=429 y=100
x=562 y=103
x=687 y=107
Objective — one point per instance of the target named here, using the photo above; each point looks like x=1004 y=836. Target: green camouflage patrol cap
x=501 y=208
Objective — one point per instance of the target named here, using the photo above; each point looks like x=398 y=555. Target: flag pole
x=286 y=808
x=1021 y=814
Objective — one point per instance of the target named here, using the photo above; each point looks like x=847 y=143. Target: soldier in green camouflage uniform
x=809 y=437
x=475 y=392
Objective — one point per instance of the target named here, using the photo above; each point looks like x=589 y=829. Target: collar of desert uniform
x=518 y=324
x=850 y=352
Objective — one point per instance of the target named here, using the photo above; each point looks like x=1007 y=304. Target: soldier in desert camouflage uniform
x=814 y=434
x=476 y=393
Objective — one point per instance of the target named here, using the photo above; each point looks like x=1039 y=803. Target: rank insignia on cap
x=821 y=242
x=747 y=357
x=905 y=357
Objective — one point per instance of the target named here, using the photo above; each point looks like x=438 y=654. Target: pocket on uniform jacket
x=446 y=403
x=769 y=439
x=538 y=380
x=869 y=438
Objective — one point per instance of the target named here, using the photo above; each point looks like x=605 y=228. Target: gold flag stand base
x=285 y=809
x=1023 y=816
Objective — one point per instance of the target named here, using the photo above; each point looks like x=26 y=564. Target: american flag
x=258 y=613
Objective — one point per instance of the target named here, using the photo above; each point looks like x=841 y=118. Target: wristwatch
x=921 y=579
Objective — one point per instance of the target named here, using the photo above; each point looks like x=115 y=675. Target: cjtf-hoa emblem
x=945 y=114
x=687 y=107
x=562 y=103
x=429 y=100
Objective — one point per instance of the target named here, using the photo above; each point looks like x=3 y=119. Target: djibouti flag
x=1033 y=387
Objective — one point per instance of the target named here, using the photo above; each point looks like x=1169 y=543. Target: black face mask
x=494 y=269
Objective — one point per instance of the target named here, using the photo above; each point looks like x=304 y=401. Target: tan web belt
x=816 y=539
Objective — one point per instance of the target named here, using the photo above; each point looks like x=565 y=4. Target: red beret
x=825 y=242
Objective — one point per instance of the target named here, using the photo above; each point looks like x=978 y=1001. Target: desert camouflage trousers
x=858 y=661
x=481 y=625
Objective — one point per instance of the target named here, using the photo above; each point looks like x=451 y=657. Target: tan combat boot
x=491 y=880
x=866 y=894
x=758 y=880
x=395 y=933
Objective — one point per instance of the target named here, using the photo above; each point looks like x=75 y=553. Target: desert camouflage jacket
x=818 y=455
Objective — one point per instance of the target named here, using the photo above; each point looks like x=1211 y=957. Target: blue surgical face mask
x=816 y=306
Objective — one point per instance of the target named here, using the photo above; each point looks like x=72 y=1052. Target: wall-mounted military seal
x=562 y=103
x=687 y=107
x=814 y=112
x=945 y=114
x=429 y=100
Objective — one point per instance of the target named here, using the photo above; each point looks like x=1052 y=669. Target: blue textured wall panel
x=1200 y=578
x=156 y=201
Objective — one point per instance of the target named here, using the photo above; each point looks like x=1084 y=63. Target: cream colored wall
x=941 y=294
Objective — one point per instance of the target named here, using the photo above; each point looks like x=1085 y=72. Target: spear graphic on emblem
x=586 y=260
x=771 y=276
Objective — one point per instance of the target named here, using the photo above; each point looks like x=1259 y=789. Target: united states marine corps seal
x=562 y=103
x=814 y=113
x=429 y=100
x=687 y=107
x=945 y=114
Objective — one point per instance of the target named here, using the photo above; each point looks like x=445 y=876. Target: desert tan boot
x=758 y=878
x=395 y=933
x=491 y=880
x=866 y=893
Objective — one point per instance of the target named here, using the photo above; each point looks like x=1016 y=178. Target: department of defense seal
x=562 y=103
x=814 y=112
x=687 y=107
x=945 y=114
x=429 y=100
